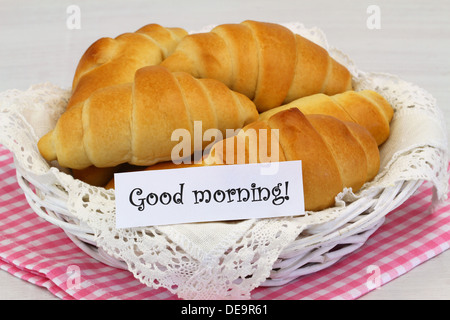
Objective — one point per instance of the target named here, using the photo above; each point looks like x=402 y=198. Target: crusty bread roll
x=110 y=62
x=133 y=122
x=114 y=61
x=367 y=108
x=265 y=61
x=335 y=154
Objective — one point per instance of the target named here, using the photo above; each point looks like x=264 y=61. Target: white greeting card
x=209 y=193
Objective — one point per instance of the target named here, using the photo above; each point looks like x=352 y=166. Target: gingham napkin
x=34 y=250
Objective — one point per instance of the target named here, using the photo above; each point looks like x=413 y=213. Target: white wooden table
x=43 y=41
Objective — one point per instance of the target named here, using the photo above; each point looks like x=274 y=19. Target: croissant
x=113 y=61
x=265 y=61
x=133 y=122
x=367 y=108
x=335 y=154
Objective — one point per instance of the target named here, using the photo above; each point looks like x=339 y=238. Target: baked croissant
x=113 y=61
x=133 y=122
x=335 y=154
x=265 y=61
x=367 y=108
x=109 y=62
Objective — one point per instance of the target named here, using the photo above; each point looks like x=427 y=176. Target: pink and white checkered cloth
x=36 y=251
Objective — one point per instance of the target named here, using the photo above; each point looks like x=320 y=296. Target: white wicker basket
x=317 y=246
x=406 y=163
x=313 y=250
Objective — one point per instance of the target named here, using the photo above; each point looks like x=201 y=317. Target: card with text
x=209 y=193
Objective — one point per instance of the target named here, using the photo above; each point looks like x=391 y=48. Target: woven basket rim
x=305 y=255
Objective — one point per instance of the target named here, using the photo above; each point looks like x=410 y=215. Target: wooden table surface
x=43 y=41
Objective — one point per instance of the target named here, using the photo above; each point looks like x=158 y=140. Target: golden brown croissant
x=113 y=61
x=133 y=122
x=335 y=154
x=265 y=61
x=367 y=108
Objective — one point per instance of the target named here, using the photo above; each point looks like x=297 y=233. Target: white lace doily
x=226 y=260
